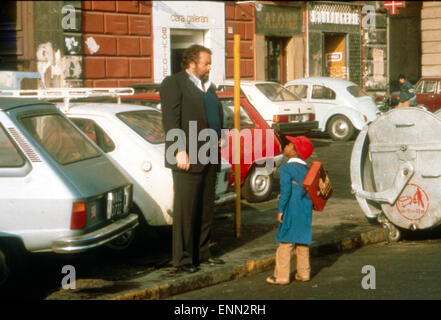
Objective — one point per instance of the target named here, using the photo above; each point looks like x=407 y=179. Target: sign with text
x=279 y=21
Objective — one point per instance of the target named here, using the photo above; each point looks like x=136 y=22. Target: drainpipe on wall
x=307 y=40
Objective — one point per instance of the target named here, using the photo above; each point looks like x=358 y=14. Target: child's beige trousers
x=282 y=270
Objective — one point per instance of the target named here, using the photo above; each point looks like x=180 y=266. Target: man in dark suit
x=190 y=105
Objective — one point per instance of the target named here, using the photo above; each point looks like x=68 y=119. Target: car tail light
x=312 y=116
x=79 y=216
x=279 y=118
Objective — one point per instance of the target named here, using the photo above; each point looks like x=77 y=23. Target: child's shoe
x=274 y=280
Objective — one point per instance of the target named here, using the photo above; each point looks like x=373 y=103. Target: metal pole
x=236 y=136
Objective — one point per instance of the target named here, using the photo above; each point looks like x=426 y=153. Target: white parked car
x=341 y=106
x=282 y=110
x=133 y=137
x=59 y=192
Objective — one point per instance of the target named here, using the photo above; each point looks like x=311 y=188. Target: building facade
x=117 y=43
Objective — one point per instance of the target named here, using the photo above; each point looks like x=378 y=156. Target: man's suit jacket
x=181 y=102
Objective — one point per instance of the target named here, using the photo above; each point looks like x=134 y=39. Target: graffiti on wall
x=55 y=68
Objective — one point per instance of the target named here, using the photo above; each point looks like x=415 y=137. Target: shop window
x=321 y=92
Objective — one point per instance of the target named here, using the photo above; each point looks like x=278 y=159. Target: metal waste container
x=396 y=170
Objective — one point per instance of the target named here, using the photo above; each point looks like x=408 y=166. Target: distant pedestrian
x=294 y=213
x=406 y=92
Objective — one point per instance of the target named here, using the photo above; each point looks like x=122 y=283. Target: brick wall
x=431 y=38
x=117 y=43
x=239 y=19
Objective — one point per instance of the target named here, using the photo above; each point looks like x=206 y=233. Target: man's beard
x=204 y=77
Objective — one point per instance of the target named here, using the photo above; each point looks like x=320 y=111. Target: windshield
x=356 y=91
x=146 y=123
x=276 y=92
x=59 y=138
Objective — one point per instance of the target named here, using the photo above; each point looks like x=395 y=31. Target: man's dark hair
x=191 y=54
x=401 y=76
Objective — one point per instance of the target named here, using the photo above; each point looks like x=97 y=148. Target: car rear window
x=146 y=123
x=356 y=91
x=9 y=154
x=59 y=138
x=276 y=92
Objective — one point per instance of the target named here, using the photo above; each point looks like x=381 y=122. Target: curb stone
x=228 y=272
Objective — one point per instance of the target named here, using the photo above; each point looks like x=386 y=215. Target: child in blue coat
x=294 y=212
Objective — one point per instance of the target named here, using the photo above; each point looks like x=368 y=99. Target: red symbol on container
x=413 y=204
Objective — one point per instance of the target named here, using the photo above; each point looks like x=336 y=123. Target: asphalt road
x=403 y=270
x=42 y=274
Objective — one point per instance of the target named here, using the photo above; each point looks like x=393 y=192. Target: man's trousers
x=193 y=205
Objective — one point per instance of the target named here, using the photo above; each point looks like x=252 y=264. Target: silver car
x=59 y=192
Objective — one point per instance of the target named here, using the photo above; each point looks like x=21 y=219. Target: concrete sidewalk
x=341 y=226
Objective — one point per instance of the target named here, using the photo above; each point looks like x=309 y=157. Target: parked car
x=59 y=192
x=263 y=144
x=256 y=181
x=282 y=110
x=428 y=93
x=133 y=137
x=146 y=87
x=341 y=106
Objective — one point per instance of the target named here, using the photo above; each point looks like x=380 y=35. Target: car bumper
x=96 y=238
x=295 y=128
x=225 y=198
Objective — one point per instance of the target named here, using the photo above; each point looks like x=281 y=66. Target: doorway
x=335 y=57
x=275 y=59
x=181 y=39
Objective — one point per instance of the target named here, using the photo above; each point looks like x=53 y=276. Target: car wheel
x=122 y=242
x=340 y=128
x=130 y=238
x=4 y=268
x=12 y=262
x=257 y=187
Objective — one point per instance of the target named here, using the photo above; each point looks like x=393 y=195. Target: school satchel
x=318 y=185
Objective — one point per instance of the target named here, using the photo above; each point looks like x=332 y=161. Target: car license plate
x=115 y=203
x=296 y=118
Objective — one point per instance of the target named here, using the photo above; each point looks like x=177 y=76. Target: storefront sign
x=334 y=56
x=279 y=21
x=188 y=19
x=331 y=17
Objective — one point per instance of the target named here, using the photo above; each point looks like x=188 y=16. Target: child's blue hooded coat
x=295 y=204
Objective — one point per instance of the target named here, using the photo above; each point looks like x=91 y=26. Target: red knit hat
x=303 y=146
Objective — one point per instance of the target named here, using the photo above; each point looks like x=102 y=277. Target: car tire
x=257 y=187
x=340 y=128
x=131 y=238
x=12 y=262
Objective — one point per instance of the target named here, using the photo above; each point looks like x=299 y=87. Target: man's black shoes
x=190 y=268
